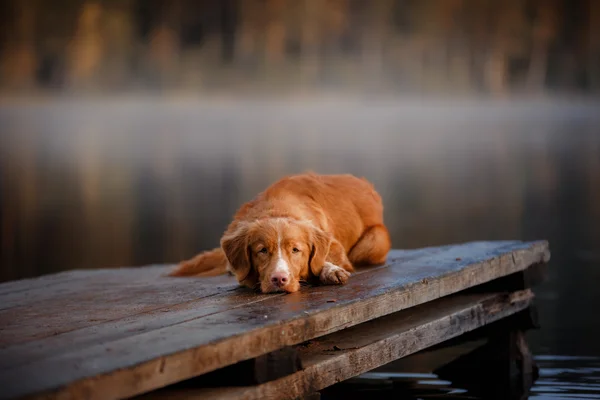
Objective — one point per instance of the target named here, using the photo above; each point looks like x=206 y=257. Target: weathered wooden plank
x=39 y=282
x=83 y=283
x=96 y=303
x=67 y=284
x=29 y=334
x=23 y=352
x=149 y=360
x=436 y=357
x=348 y=353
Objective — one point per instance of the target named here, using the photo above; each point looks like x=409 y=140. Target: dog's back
x=350 y=204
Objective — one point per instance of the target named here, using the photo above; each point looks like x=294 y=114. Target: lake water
x=88 y=184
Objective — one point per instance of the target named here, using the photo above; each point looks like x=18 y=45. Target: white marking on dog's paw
x=331 y=274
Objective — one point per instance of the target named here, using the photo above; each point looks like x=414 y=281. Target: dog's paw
x=331 y=274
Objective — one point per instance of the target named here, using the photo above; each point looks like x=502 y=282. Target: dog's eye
x=263 y=250
x=295 y=250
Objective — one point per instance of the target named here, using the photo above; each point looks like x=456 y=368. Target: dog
x=303 y=227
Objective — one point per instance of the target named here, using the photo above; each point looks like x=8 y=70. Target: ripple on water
x=567 y=377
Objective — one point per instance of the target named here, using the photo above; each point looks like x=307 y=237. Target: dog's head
x=275 y=254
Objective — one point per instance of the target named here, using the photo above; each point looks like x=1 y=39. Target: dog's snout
x=279 y=279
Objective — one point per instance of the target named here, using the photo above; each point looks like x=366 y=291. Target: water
x=561 y=377
x=568 y=377
x=89 y=184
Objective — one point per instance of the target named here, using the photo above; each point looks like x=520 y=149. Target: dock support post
x=503 y=368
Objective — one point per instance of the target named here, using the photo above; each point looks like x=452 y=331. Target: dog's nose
x=279 y=279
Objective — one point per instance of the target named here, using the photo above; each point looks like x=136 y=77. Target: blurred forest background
x=398 y=46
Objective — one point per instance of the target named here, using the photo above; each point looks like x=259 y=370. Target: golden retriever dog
x=302 y=227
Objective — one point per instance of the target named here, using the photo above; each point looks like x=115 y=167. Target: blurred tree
x=545 y=30
x=86 y=49
x=594 y=45
x=120 y=44
x=310 y=39
x=164 y=44
x=275 y=31
x=250 y=21
x=509 y=32
x=19 y=56
x=436 y=33
x=375 y=32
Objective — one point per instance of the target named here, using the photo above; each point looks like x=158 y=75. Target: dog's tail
x=208 y=263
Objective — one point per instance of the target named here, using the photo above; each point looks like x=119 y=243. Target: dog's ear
x=320 y=242
x=235 y=245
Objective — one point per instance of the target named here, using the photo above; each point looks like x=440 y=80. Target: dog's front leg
x=337 y=268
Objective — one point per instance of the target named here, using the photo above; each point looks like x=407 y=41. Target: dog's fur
x=302 y=226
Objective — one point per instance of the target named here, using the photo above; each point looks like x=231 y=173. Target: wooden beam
x=348 y=353
x=501 y=369
x=119 y=363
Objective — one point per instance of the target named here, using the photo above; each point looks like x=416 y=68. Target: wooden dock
x=119 y=333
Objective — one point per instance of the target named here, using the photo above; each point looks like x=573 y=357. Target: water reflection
x=568 y=377
x=92 y=184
